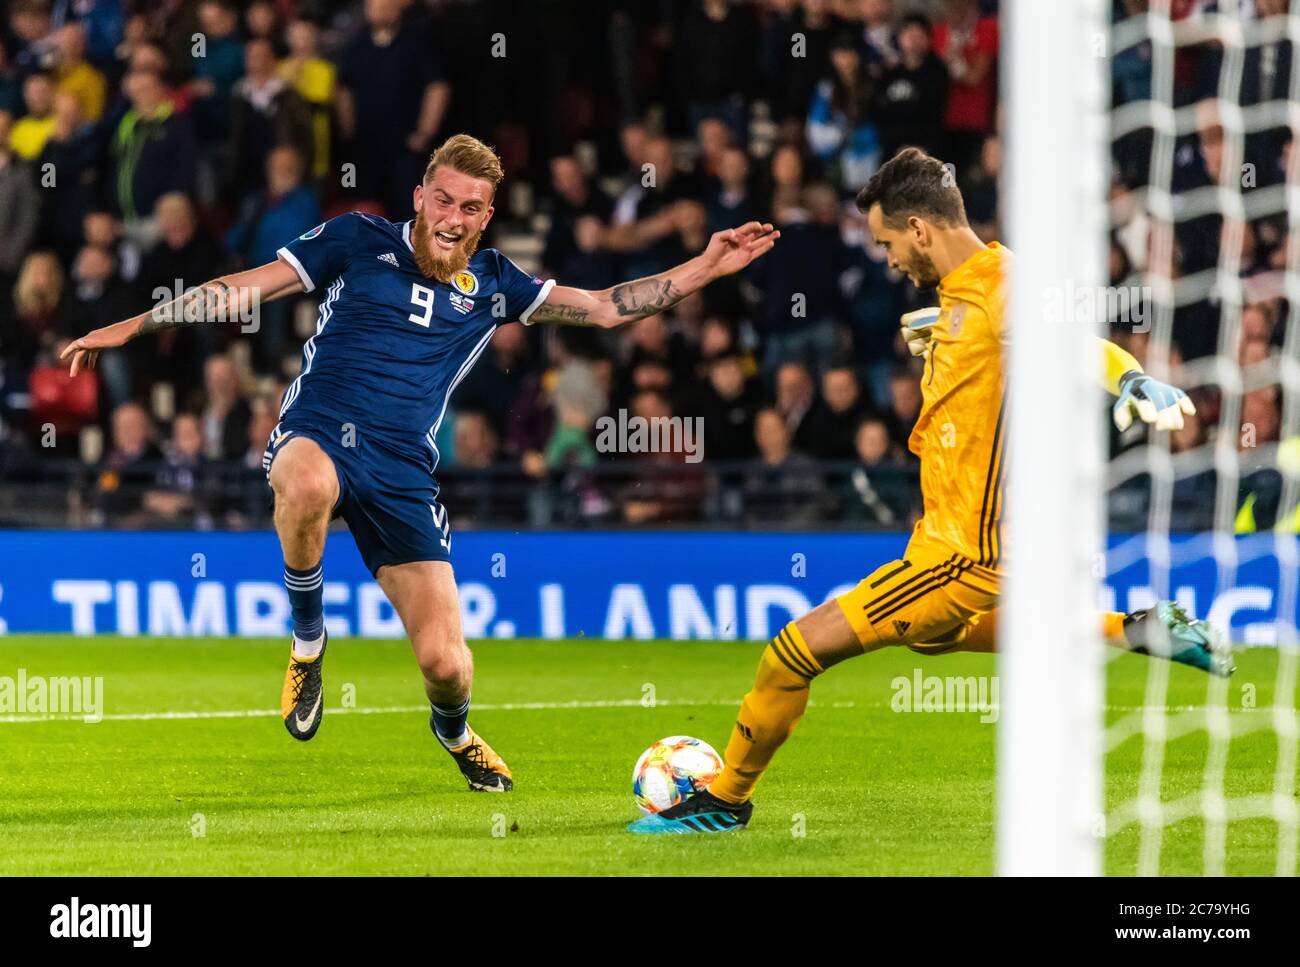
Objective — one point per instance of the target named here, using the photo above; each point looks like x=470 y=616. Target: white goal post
x=1049 y=751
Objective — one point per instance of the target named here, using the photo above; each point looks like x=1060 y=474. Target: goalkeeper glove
x=917 y=329
x=1153 y=401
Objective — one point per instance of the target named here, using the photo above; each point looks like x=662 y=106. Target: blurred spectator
x=11 y=90
x=905 y=404
x=477 y=446
x=913 y=93
x=76 y=75
x=103 y=298
x=785 y=488
x=226 y=414
x=68 y=176
x=102 y=229
x=875 y=301
x=875 y=491
x=578 y=217
x=787 y=176
x=33 y=129
x=182 y=258
x=180 y=485
x=673 y=495
x=727 y=403
x=655 y=221
x=798 y=405
x=218 y=70
x=872 y=443
x=315 y=80
x=391 y=103
x=967 y=40
x=285 y=208
x=841 y=129
x=102 y=21
x=716 y=49
x=129 y=466
x=153 y=148
x=1261 y=417
x=731 y=201
x=793 y=72
x=252 y=506
x=659 y=359
x=261 y=22
x=19 y=207
x=494 y=383
x=800 y=282
x=979 y=190
x=578 y=401
x=266 y=113
x=881 y=45
x=38 y=311
x=32 y=44
x=714 y=139
x=837 y=423
x=150 y=58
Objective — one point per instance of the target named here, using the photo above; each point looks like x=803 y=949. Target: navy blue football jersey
x=391 y=344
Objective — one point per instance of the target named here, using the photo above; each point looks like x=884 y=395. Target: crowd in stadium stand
x=148 y=147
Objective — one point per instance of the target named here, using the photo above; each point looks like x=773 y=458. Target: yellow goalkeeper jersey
x=960 y=434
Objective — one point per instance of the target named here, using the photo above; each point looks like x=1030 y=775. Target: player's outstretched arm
x=727 y=252
x=227 y=298
x=1153 y=401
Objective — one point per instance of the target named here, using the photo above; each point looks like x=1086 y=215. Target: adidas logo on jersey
x=390 y=258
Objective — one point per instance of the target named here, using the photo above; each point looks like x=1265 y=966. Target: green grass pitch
x=860 y=789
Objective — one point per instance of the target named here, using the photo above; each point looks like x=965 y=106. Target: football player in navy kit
x=407 y=309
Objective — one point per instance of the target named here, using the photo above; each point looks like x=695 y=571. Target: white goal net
x=1195 y=221
x=1204 y=203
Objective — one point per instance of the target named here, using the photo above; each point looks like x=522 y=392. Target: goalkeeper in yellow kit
x=942 y=595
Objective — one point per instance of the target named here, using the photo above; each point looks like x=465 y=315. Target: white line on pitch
x=512 y=707
x=380 y=710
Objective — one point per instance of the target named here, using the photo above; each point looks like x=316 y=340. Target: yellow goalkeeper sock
x=768 y=714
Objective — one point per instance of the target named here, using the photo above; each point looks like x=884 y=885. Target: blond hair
x=468 y=155
x=39 y=284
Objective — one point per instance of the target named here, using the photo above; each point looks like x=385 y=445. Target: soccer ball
x=671 y=770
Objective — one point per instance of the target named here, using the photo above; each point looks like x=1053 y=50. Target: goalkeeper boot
x=701 y=813
x=302 y=700
x=483 y=769
x=1165 y=631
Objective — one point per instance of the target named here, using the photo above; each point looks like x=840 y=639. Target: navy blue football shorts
x=389 y=501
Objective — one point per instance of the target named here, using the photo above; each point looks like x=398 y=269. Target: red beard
x=435 y=263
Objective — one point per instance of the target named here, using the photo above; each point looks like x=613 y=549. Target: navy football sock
x=449 y=723
x=305 y=593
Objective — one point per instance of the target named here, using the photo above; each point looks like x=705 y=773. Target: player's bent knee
x=442 y=661
x=307 y=491
x=304 y=479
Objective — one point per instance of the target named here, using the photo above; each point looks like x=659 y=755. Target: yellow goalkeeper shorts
x=932 y=596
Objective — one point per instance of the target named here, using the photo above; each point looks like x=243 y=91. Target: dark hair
x=914 y=183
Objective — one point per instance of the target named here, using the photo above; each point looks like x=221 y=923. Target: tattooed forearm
x=211 y=302
x=569 y=315
x=645 y=297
